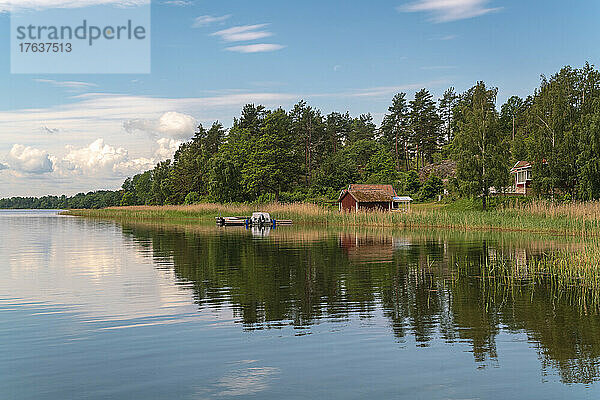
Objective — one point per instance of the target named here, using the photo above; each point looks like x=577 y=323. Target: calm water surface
x=98 y=310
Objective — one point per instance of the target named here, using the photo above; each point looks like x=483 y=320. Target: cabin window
x=523 y=176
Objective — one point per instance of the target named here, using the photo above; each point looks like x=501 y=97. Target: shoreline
x=562 y=220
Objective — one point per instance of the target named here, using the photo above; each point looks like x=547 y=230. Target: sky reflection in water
x=92 y=309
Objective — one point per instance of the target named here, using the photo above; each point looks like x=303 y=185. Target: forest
x=304 y=155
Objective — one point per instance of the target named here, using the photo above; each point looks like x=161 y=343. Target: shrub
x=431 y=188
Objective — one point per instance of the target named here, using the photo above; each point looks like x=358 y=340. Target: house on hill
x=371 y=197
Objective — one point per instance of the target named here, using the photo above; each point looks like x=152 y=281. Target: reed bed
x=577 y=219
x=570 y=275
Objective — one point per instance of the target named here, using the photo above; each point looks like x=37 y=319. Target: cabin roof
x=387 y=189
x=521 y=165
x=370 y=193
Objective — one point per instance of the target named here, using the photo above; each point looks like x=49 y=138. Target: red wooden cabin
x=367 y=197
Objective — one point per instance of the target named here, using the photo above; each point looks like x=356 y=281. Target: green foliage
x=271 y=165
x=480 y=144
x=410 y=183
x=446 y=112
x=128 y=199
x=425 y=125
x=431 y=188
x=588 y=159
x=192 y=198
x=380 y=168
x=558 y=131
x=364 y=161
x=395 y=131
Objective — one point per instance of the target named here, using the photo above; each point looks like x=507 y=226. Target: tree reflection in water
x=304 y=277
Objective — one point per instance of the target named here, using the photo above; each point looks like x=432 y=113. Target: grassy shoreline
x=582 y=220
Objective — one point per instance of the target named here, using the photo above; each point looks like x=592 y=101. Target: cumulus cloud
x=101 y=159
x=96 y=158
x=243 y=33
x=166 y=148
x=3 y=166
x=27 y=159
x=255 y=48
x=173 y=124
x=135 y=166
x=449 y=10
x=206 y=20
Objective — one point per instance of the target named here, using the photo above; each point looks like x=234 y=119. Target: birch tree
x=481 y=148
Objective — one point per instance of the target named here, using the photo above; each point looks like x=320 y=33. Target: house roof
x=521 y=165
x=370 y=193
x=370 y=196
x=387 y=189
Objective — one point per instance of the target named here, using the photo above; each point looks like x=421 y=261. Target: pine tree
x=395 y=130
x=425 y=123
x=446 y=107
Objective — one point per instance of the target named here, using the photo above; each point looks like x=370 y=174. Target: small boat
x=261 y=219
x=231 y=221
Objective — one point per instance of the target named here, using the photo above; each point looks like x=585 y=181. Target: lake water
x=98 y=310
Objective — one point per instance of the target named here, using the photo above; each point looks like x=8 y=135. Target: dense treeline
x=302 y=154
x=99 y=199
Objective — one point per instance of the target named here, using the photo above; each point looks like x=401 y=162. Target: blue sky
x=79 y=132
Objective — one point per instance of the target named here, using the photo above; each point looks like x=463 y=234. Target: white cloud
x=90 y=116
x=166 y=148
x=70 y=85
x=133 y=167
x=17 y=5
x=3 y=166
x=255 y=48
x=178 y=3
x=177 y=125
x=50 y=131
x=27 y=159
x=449 y=10
x=382 y=91
x=97 y=158
x=206 y=20
x=101 y=159
x=173 y=124
x=243 y=33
